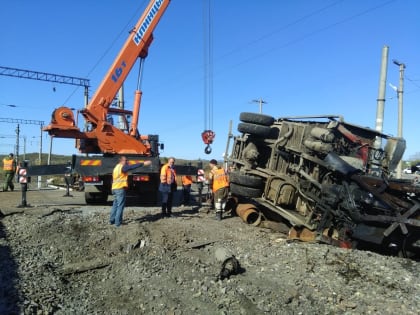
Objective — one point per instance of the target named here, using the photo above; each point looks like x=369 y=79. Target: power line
x=413 y=82
x=281 y=28
x=303 y=37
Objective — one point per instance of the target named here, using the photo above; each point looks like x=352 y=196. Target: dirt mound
x=62 y=257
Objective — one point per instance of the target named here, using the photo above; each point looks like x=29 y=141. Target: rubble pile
x=67 y=259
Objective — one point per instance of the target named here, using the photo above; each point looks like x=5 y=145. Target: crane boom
x=136 y=46
x=111 y=132
x=103 y=136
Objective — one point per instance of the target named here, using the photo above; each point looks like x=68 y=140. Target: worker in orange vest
x=9 y=169
x=167 y=186
x=186 y=188
x=219 y=184
x=119 y=187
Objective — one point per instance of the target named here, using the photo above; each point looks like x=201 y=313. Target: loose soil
x=60 y=256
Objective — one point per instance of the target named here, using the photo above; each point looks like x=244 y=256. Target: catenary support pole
x=400 y=108
x=381 y=95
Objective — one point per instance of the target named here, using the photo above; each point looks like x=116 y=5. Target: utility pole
x=381 y=96
x=260 y=102
x=400 y=107
x=17 y=143
x=24 y=148
x=25 y=121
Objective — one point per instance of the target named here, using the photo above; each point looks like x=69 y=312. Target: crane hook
x=207 y=150
x=208 y=137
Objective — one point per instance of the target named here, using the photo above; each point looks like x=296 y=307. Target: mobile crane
x=109 y=132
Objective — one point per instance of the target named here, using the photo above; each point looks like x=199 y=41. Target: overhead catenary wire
x=121 y=34
x=311 y=33
x=183 y=79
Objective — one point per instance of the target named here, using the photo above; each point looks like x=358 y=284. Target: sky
x=301 y=57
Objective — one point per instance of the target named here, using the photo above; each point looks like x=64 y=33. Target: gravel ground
x=59 y=256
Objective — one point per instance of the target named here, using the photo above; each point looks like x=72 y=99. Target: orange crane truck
x=110 y=132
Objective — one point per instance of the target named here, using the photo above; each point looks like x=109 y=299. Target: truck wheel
x=254 y=129
x=245 y=179
x=244 y=191
x=258 y=119
x=96 y=197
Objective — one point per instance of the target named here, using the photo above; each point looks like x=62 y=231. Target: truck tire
x=258 y=119
x=245 y=191
x=96 y=197
x=254 y=129
x=245 y=180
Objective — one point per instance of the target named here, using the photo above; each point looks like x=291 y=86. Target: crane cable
x=208 y=135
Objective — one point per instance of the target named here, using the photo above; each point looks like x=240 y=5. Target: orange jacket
x=220 y=179
x=167 y=174
x=186 y=180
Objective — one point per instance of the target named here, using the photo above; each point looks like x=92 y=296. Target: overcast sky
x=302 y=57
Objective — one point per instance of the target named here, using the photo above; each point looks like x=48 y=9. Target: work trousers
x=118 y=205
x=186 y=190
x=167 y=198
x=8 y=181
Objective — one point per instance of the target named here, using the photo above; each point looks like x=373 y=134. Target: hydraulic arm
x=102 y=136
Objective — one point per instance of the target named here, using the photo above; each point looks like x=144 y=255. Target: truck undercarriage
x=328 y=178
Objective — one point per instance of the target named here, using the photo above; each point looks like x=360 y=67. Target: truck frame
x=329 y=180
x=111 y=132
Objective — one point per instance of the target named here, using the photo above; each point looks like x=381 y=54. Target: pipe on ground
x=248 y=213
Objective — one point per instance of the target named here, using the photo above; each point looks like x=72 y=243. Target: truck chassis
x=330 y=178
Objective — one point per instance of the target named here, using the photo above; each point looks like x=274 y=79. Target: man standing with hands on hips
x=119 y=187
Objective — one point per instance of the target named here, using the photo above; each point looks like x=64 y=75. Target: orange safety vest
x=119 y=178
x=186 y=180
x=8 y=164
x=220 y=179
x=167 y=175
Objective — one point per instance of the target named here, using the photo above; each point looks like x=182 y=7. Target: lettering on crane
x=118 y=72
x=147 y=21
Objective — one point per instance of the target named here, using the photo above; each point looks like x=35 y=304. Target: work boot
x=163 y=213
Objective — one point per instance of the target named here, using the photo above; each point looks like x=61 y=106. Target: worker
x=186 y=189
x=119 y=187
x=219 y=183
x=9 y=169
x=167 y=186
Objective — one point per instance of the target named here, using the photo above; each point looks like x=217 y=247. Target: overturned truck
x=329 y=179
